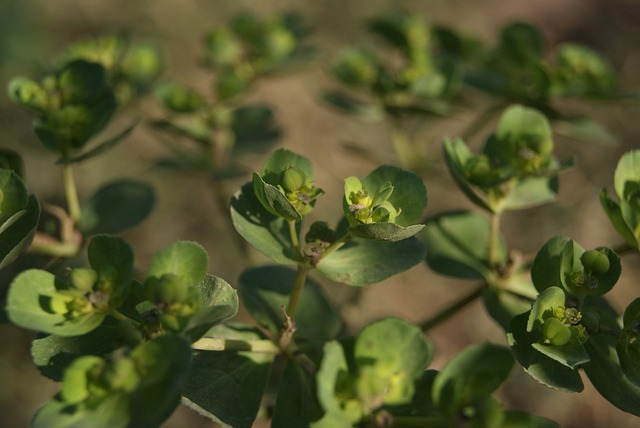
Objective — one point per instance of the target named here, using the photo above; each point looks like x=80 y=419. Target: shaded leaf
x=99 y=148
x=17 y=232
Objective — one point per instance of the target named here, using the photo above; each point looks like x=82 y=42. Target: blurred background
x=33 y=33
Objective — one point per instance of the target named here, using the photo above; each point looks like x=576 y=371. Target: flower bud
x=293 y=179
x=595 y=261
x=555 y=332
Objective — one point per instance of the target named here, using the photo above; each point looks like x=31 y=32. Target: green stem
x=295 y=241
x=71 y=193
x=221 y=344
x=452 y=309
x=296 y=293
x=46 y=246
x=494 y=238
x=335 y=246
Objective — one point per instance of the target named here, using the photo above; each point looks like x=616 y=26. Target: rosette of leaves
x=423 y=84
x=19 y=211
x=580 y=71
x=132 y=68
x=624 y=214
x=128 y=388
x=39 y=301
x=73 y=104
x=178 y=296
x=249 y=47
x=548 y=341
x=516 y=168
x=563 y=262
x=286 y=187
x=264 y=216
x=380 y=369
x=374 y=209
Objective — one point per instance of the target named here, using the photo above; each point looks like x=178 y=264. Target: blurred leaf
x=627 y=170
x=542 y=368
x=113 y=412
x=531 y=191
x=53 y=354
x=264 y=231
x=456 y=154
x=264 y=290
x=10 y=159
x=99 y=148
x=226 y=387
x=458 y=245
x=365 y=261
x=17 y=232
x=29 y=306
x=502 y=306
x=347 y=104
x=179 y=98
x=519 y=419
x=255 y=128
x=587 y=130
x=474 y=373
x=117 y=206
x=185 y=259
x=194 y=128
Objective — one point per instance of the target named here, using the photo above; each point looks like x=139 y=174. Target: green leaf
x=179 y=98
x=109 y=253
x=570 y=355
x=13 y=194
x=547 y=300
x=185 y=259
x=255 y=128
x=546 y=268
x=607 y=377
x=53 y=354
x=295 y=400
x=365 y=261
x=10 y=159
x=628 y=170
x=385 y=231
x=473 y=374
x=274 y=200
x=99 y=148
x=502 y=306
x=282 y=159
x=458 y=245
x=117 y=206
x=219 y=303
x=264 y=290
x=226 y=387
x=332 y=369
x=456 y=154
x=350 y=105
x=164 y=362
x=542 y=368
x=613 y=211
x=113 y=412
x=530 y=192
x=17 y=232
x=409 y=193
x=393 y=345
x=266 y=232
x=29 y=306
x=587 y=130
x=519 y=419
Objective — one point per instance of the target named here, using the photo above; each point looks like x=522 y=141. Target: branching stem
x=452 y=309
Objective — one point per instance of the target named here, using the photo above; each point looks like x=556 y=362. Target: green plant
x=129 y=347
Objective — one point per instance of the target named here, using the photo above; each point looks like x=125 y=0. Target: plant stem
x=295 y=241
x=335 y=246
x=494 y=237
x=221 y=344
x=298 y=286
x=452 y=309
x=70 y=192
